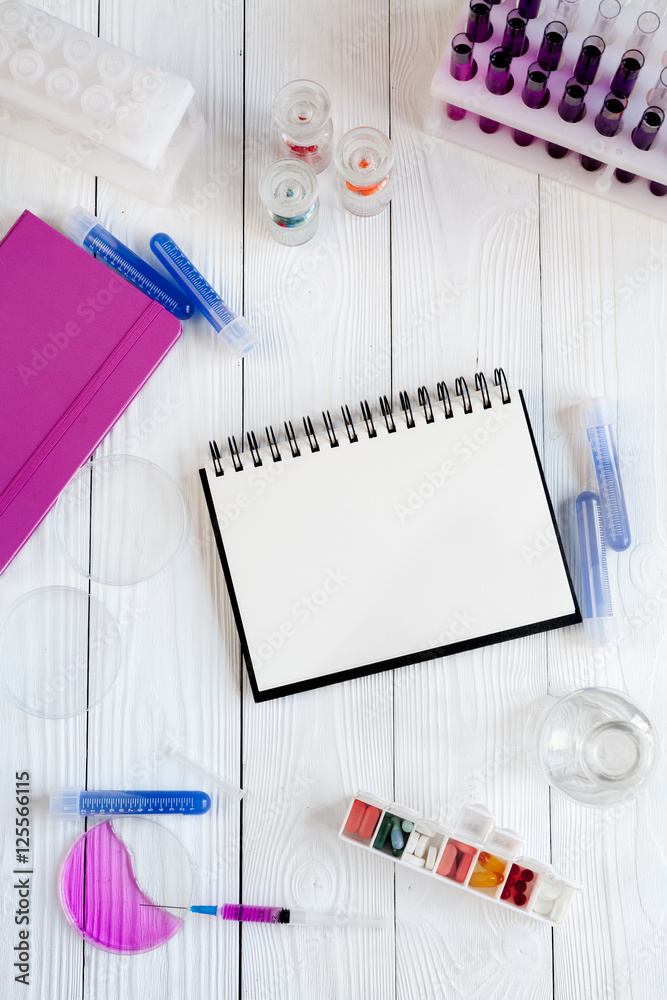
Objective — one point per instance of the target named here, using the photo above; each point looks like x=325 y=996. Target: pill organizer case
x=93 y=105
x=474 y=855
x=545 y=123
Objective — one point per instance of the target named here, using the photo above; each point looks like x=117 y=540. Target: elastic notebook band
x=76 y=408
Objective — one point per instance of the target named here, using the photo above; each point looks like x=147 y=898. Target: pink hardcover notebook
x=77 y=342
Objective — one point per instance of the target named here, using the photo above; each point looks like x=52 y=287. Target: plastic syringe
x=595 y=597
x=236 y=333
x=278 y=915
x=596 y=417
x=84 y=229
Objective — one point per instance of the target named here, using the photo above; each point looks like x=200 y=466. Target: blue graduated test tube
x=84 y=229
x=595 y=596
x=68 y=803
x=597 y=416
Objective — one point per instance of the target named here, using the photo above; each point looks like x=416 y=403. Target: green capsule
x=383 y=832
x=407 y=826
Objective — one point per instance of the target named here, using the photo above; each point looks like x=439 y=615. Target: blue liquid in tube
x=84 y=229
x=72 y=802
x=596 y=416
x=595 y=594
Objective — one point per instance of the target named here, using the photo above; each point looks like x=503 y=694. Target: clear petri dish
x=60 y=652
x=594 y=745
x=116 y=880
x=121 y=520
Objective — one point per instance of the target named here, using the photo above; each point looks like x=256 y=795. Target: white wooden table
x=477 y=264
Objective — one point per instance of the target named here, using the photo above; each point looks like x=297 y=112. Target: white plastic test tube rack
x=545 y=123
x=428 y=847
x=93 y=105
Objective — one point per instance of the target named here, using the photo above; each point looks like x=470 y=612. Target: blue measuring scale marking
x=238 y=335
x=195 y=803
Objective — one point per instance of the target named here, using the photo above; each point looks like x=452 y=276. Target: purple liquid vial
x=479 y=26
x=571 y=107
x=514 y=38
x=588 y=62
x=530 y=8
x=498 y=77
x=625 y=77
x=535 y=93
x=462 y=67
x=551 y=48
x=645 y=134
x=609 y=119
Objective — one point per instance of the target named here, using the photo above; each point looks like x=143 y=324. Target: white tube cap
x=78 y=223
x=65 y=803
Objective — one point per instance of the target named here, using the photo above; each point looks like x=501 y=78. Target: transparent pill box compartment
x=474 y=855
x=544 y=123
x=93 y=105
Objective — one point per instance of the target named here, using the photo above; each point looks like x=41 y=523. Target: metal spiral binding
x=385 y=410
x=481 y=386
x=273 y=444
x=254 y=449
x=368 y=417
x=424 y=400
x=500 y=379
x=328 y=423
x=349 y=426
x=461 y=387
x=291 y=438
x=407 y=409
x=443 y=396
x=310 y=433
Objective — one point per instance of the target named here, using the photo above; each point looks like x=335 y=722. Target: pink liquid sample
x=102 y=898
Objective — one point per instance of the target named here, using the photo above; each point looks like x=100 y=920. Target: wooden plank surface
x=476 y=264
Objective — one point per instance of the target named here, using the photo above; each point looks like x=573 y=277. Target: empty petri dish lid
x=121 y=520
x=60 y=652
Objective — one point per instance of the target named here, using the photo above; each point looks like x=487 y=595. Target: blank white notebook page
x=390 y=547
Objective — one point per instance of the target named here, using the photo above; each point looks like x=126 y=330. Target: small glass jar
x=302 y=113
x=288 y=190
x=364 y=158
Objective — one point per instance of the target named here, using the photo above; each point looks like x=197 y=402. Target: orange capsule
x=491 y=863
x=482 y=879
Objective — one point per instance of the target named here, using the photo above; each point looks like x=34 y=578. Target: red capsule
x=514 y=870
x=520 y=885
x=527 y=875
x=506 y=893
x=510 y=880
x=519 y=899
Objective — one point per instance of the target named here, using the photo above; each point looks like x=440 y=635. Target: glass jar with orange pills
x=364 y=160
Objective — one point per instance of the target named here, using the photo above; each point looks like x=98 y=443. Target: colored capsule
x=527 y=875
x=448 y=861
x=482 y=879
x=383 y=833
x=520 y=886
x=506 y=893
x=407 y=826
x=491 y=863
x=396 y=835
x=369 y=822
x=520 y=899
x=356 y=815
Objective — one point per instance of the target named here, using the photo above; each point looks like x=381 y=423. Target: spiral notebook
x=379 y=541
